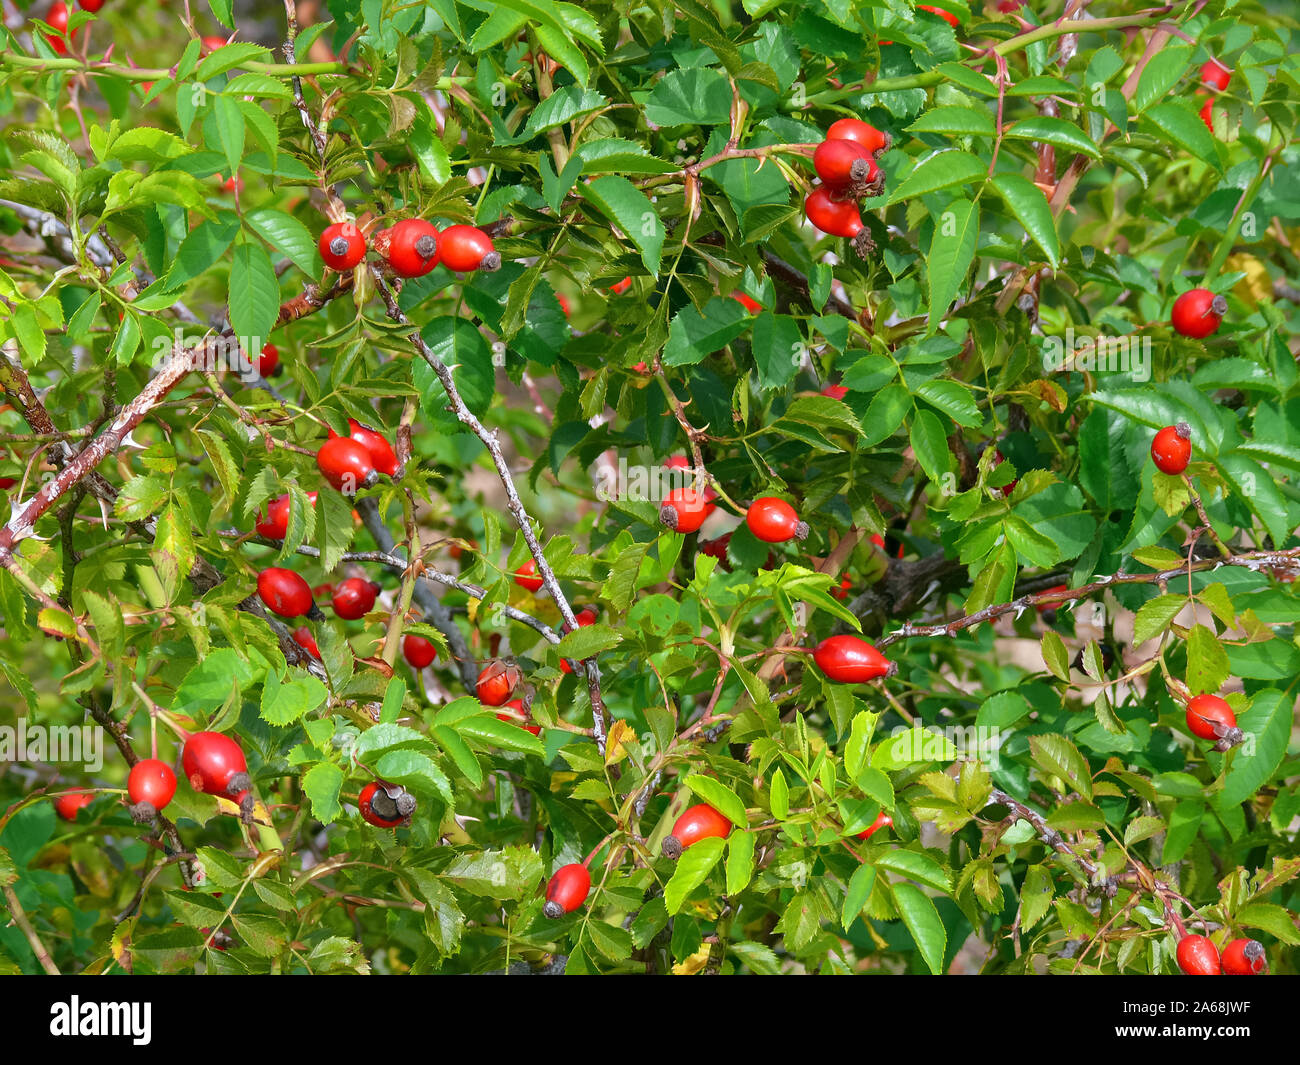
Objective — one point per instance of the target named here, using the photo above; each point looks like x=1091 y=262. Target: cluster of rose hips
x=846 y=162
x=411 y=247
x=1198 y=956
x=212 y=762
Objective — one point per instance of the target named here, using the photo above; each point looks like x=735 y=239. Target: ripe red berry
x=1244 y=957
x=1197 y=956
x=90 y=5
x=496 y=683
x=385 y=805
x=151 y=782
x=699 y=822
x=465 y=249
x=66 y=806
x=750 y=304
x=684 y=509
x=883 y=820
x=354 y=598
x=233 y=185
x=517 y=713
x=1212 y=718
x=947 y=16
x=284 y=592
x=854 y=129
x=274 y=525
x=842 y=164
x=57 y=17
x=342 y=246
x=303 y=638
x=382 y=455
x=1207 y=114
x=620 y=287
x=567 y=890
x=1171 y=449
x=211 y=44
x=835 y=391
x=842 y=592
x=839 y=218
x=526 y=576
x=677 y=462
x=269 y=361
x=214 y=765
x=410 y=246
x=564 y=304
x=346 y=464
x=1215 y=74
x=584 y=617
x=418 y=651
x=774 y=521
x=851 y=660
x=1198 y=312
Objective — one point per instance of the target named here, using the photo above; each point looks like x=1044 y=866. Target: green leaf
x=952 y=250
x=695 y=334
x=930 y=445
x=740 y=861
x=562 y=106
x=284 y=702
x=322 y=784
x=1178 y=123
x=416 y=771
x=720 y=797
x=693 y=868
x=1027 y=202
x=1155 y=615
x=780 y=796
x=1055 y=656
x=254 y=300
x=860 y=886
x=288 y=236
x=940 y=171
x=629 y=208
x=1056 y=132
x=1057 y=756
x=1036 y=895
x=1207 y=660
x=696 y=95
x=230 y=128
x=1268 y=722
x=923 y=922
x=1161 y=74
x=956 y=121
x=916 y=866
x=511 y=873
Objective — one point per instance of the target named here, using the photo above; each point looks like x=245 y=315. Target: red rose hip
x=567 y=890
x=342 y=246
x=385 y=805
x=1244 y=957
x=1197 y=956
x=854 y=129
x=1171 y=449
x=150 y=787
x=346 y=464
x=684 y=509
x=1198 y=312
x=851 y=660
x=215 y=765
x=774 y=521
x=1211 y=718
x=410 y=246
x=496 y=683
x=284 y=592
x=526 y=576
x=354 y=598
x=466 y=248
x=418 y=651
x=699 y=822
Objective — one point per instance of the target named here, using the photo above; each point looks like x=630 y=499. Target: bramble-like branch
x=1252 y=560
x=513 y=503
